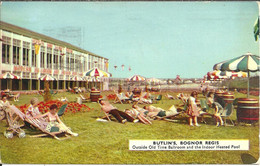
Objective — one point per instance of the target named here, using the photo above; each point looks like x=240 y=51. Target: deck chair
x=39 y=124
x=14 y=125
x=121 y=98
x=107 y=116
x=2 y=113
x=84 y=99
x=158 y=98
x=143 y=99
x=203 y=105
x=62 y=110
x=170 y=117
x=130 y=99
x=52 y=92
x=228 y=110
x=202 y=114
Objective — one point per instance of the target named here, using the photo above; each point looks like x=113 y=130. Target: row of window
x=47 y=58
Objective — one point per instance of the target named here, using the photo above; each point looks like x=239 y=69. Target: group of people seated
x=149 y=112
x=143 y=98
x=9 y=94
x=194 y=111
x=76 y=90
x=49 y=120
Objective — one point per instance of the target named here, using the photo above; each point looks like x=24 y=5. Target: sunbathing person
x=138 y=115
x=184 y=98
x=54 y=121
x=218 y=108
x=120 y=116
x=144 y=98
x=4 y=102
x=157 y=111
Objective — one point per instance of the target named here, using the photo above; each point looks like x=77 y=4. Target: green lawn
x=107 y=142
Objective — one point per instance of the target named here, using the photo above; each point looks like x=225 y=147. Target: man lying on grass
x=120 y=116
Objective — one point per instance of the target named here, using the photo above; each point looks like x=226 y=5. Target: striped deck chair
x=14 y=125
x=39 y=124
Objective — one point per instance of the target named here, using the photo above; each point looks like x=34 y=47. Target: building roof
x=25 y=32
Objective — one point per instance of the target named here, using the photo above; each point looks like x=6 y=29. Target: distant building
x=31 y=55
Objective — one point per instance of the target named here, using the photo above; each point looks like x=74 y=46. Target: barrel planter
x=136 y=92
x=247 y=110
x=219 y=93
x=228 y=97
x=94 y=95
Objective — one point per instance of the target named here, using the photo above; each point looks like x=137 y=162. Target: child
x=193 y=110
x=33 y=110
x=218 y=109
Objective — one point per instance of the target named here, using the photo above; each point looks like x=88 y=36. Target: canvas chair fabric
x=228 y=110
x=39 y=124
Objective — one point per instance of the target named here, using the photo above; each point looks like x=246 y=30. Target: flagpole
x=248 y=83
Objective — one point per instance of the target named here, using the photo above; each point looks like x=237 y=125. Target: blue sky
x=157 y=39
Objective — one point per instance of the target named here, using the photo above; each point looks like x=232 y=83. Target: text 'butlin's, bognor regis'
x=186 y=143
x=164 y=143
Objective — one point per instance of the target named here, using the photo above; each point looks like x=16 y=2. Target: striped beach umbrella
x=136 y=78
x=96 y=72
x=9 y=75
x=47 y=77
x=245 y=63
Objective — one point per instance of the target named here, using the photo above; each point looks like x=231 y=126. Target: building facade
x=31 y=55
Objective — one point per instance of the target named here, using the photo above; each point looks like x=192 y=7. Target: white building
x=31 y=55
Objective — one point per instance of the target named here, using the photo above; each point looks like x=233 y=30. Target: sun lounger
x=39 y=124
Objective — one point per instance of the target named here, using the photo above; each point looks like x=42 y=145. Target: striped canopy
x=92 y=79
x=9 y=75
x=96 y=72
x=47 y=77
x=76 y=78
x=243 y=63
x=217 y=74
x=136 y=78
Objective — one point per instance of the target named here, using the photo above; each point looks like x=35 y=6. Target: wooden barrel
x=94 y=96
x=247 y=110
x=228 y=97
x=219 y=93
x=136 y=92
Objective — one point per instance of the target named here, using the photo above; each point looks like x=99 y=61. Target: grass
x=107 y=142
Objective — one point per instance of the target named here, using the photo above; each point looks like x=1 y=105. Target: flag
x=37 y=49
x=106 y=63
x=256 y=29
x=123 y=67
